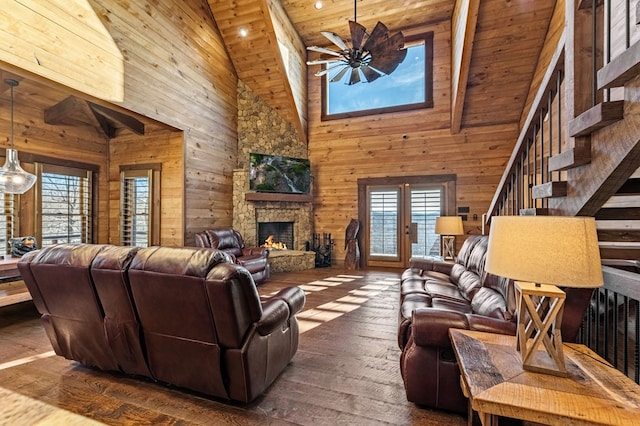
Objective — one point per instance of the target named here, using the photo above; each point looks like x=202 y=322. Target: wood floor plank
x=346 y=370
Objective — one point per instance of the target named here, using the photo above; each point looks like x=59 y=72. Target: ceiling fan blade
x=335 y=39
x=340 y=74
x=322 y=61
x=389 y=61
x=379 y=35
x=357 y=34
x=355 y=76
x=329 y=68
x=324 y=50
x=369 y=73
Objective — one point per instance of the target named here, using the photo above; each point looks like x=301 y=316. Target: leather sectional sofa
x=254 y=259
x=436 y=296
x=185 y=316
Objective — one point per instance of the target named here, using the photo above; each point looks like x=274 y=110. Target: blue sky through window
x=405 y=86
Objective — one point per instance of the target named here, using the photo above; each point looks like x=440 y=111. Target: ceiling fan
x=368 y=55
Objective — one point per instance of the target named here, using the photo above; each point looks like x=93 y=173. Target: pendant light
x=13 y=179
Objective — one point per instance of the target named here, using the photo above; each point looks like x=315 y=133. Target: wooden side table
x=493 y=379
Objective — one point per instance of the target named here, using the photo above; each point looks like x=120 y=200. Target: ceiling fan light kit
x=368 y=55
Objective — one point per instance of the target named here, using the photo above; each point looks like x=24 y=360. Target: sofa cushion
x=475 y=262
x=412 y=285
x=451 y=306
x=468 y=284
x=444 y=290
x=504 y=286
x=467 y=248
x=490 y=303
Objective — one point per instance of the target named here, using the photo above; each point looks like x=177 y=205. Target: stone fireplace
x=247 y=215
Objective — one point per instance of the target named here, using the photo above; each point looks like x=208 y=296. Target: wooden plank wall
x=176 y=71
x=342 y=151
x=33 y=136
x=164 y=148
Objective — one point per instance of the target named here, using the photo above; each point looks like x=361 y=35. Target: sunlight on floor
x=313 y=317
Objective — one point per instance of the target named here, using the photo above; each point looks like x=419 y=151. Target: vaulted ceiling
x=502 y=46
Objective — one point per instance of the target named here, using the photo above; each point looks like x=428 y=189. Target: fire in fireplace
x=280 y=234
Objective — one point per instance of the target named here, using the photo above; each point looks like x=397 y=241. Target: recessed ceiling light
x=318 y=5
x=243 y=32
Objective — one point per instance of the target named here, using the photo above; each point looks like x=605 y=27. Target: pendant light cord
x=11 y=116
x=11 y=83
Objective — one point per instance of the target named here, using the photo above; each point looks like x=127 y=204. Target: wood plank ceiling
x=508 y=39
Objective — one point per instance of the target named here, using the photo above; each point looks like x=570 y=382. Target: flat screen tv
x=275 y=173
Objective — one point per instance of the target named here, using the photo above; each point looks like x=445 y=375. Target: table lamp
x=540 y=253
x=448 y=227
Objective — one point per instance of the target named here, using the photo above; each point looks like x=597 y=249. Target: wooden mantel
x=274 y=196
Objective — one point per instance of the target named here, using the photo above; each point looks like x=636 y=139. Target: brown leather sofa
x=254 y=259
x=185 y=316
x=436 y=296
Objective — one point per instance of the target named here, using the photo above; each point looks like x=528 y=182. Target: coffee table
x=492 y=377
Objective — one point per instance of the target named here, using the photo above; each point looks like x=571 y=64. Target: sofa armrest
x=491 y=325
x=255 y=251
x=430 y=327
x=294 y=298
x=430 y=264
x=275 y=313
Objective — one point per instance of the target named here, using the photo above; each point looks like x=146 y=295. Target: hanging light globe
x=13 y=178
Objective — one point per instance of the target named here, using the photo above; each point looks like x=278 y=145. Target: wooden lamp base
x=539 y=311
x=449 y=247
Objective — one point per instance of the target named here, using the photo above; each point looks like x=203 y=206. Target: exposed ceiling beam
x=463 y=30
x=74 y=111
x=257 y=56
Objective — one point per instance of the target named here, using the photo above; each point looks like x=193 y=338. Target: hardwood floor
x=346 y=370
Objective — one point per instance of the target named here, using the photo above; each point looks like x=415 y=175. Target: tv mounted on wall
x=275 y=173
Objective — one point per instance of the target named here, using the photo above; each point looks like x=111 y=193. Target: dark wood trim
x=428 y=90
x=276 y=196
x=147 y=166
x=37 y=158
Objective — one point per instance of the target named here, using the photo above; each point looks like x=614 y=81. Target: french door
x=399 y=221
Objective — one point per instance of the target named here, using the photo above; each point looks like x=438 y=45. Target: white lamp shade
x=449 y=225
x=553 y=250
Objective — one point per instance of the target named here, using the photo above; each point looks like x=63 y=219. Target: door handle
x=413 y=233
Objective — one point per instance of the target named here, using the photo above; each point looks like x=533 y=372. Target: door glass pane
x=383 y=223
x=425 y=207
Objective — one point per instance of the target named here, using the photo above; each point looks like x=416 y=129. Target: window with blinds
x=139 y=217
x=64 y=205
x=7 y=222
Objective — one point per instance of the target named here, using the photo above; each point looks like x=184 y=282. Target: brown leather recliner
x=186 y=316
x=436 y=296
x=254 y=259
x=87 y=311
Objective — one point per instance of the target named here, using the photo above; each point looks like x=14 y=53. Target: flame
x=269 y=243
